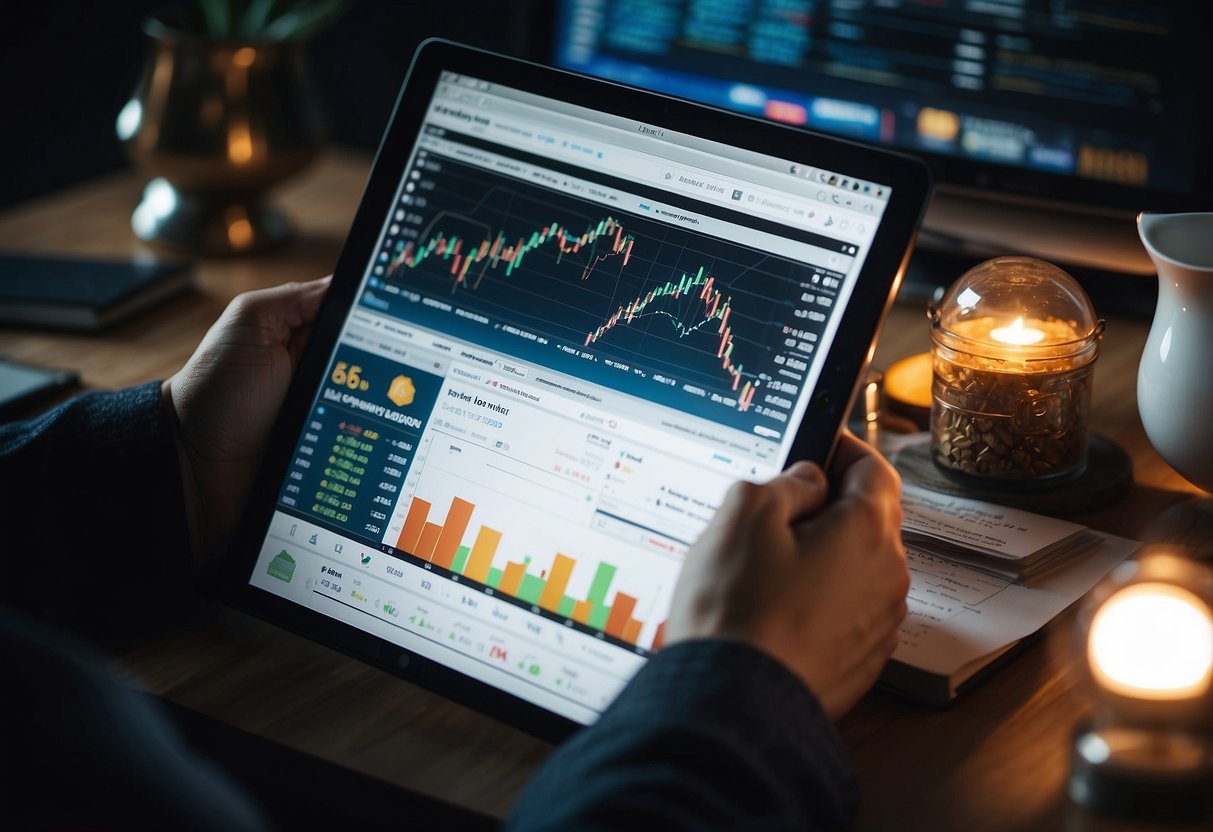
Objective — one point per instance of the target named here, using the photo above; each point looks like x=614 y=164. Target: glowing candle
x=1018 y=334
x=1152 y=641
x=1014 y=341
x=1146 y=750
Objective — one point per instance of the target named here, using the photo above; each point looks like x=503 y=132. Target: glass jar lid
x=1016 y=306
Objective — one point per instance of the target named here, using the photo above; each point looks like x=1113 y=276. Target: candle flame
x=1017 y=334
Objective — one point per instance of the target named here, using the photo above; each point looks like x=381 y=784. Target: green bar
x=566 y=606
x=600 y=584
x=530 y=589
x=494 y=577
x=461 y=557
x=598 y=617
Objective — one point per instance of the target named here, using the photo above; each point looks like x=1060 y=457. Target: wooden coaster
x=1107 y=478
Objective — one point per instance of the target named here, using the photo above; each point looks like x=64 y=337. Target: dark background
x=68 y=66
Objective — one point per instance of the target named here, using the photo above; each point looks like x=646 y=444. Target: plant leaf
x=257 y=14
x=215 y=15
x=304 y=18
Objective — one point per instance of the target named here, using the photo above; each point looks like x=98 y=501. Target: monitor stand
x=1101 y=251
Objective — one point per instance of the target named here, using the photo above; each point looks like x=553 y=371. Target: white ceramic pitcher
x=1175 y=376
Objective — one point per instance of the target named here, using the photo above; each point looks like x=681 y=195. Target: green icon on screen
x=282 y=567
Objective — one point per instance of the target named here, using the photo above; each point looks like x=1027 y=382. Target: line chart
x=493 y=250
x=706 y=314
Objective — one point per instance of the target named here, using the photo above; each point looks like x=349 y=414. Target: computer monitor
x=1048 y=125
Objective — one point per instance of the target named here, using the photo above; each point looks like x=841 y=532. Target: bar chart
x=446 y=545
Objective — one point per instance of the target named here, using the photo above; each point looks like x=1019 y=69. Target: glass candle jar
x=1013 y=347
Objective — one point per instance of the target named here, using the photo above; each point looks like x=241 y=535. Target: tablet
x=568 y=315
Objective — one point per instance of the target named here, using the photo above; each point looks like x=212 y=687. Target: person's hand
x=820 y=586
x=225 y=400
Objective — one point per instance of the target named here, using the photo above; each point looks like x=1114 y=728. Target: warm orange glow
x=1017 y=334
x=244 y=56
x=239 y=142
x=909 y=380
x=239 y=229
x=1153 y=641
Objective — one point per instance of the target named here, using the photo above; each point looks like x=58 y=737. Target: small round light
x=1153 y=641
x=1146 y=751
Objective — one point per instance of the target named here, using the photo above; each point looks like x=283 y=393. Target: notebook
x=569 y=314
x=86 y=294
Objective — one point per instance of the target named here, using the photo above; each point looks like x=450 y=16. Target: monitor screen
x=1090 y=106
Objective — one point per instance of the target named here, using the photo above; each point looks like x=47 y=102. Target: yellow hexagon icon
x=402 y=391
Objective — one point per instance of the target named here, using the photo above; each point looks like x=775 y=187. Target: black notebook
x=83 y=294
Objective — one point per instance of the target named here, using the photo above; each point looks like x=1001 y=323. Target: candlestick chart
x=709 y=313
x=714 y=310
x=493 y=249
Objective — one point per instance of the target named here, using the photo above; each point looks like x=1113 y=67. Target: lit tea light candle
x=999 y=340
x=1147 y=635
x=1014 y=341
x=1017 y=333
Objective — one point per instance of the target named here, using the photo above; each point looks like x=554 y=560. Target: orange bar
x=582 y=610
x=631 y=631
x=621 y=611
x=453 y=527
x=512 y=577
x=414 y=521
x=553 y=590
x=659 y=638
x=429 y=536
x=481 y=558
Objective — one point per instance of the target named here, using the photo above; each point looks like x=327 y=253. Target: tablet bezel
x=849 y=354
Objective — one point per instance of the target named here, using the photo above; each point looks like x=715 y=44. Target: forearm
x=709 y=734
x=92 y=510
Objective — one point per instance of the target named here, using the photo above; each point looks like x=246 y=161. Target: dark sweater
x=710 y=734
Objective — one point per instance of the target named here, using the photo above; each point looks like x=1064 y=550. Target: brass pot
x=215 y=124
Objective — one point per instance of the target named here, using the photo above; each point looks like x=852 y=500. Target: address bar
x=556 y=141
x=740 y=195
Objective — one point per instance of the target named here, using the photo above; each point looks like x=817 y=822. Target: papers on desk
x=966 y=612
x=1007 y=542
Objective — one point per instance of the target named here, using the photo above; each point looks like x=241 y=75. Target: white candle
x=1017 y=334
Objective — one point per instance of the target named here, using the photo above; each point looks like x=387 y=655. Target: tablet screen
x=574 y=332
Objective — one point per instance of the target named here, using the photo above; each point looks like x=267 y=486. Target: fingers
x=804 y=487
x=850 y=449
x=293 y=304
x=787 y=497
x=281 y=314
x=868 y=477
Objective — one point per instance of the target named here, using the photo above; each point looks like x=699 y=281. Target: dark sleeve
x=93 y=513
x=92 y=753
x=709 y=734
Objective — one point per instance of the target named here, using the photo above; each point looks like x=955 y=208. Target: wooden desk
x=996 y=760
